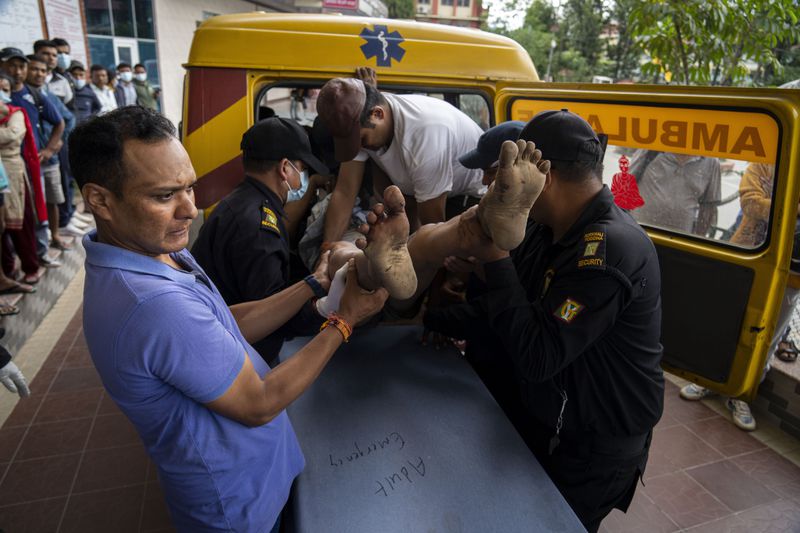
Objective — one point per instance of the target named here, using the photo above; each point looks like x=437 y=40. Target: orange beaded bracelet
x=339 y=323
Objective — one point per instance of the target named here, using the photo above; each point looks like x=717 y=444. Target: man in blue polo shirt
x=171 y=354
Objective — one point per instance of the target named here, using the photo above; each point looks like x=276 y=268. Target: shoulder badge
x=592 y=251
x=567 y=311
x=269 y=221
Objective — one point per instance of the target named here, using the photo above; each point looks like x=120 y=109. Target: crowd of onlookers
x=43 y=96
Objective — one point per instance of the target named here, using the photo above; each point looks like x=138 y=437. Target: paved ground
x=70 y=461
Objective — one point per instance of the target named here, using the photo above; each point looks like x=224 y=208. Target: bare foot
x=386 y=247
x=503 y=211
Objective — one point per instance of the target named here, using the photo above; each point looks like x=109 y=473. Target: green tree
x=400 y=9
x=540 y=15
x=709 y=41
x=581 y=27
x=623 y=53
x=535 y=34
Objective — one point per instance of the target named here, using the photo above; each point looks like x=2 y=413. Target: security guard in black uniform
x=243 y=246
x=566 y=330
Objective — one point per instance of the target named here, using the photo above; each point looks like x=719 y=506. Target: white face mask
x=296 y=194
x=80 y=84
x=126 y=76
x=63 y=61
x=142 y=76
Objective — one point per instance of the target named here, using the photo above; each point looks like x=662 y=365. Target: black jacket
x=582 y=316
x=243 y=249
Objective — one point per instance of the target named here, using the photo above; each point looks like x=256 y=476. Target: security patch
x=591 y=249
x=268 y=220
x=567 y=311
x=594 y=251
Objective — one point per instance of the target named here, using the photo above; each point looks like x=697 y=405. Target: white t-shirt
x=429 y=137
x=108 y=101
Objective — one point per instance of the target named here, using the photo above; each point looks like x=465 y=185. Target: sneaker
x=78 y=223
x=695 y=392
x=48 y=262
x=742 y=416
x=86 y=218
x=72 y=229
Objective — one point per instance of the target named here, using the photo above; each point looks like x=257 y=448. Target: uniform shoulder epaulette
x=592 y=253
x=269 y=220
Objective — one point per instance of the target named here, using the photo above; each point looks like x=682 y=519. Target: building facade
x=453 y=12
x=155 y=33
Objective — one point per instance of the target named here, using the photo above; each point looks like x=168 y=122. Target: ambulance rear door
x=724 y=233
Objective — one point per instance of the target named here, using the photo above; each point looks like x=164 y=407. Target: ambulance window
x=476 y=108
x=300 y=103
x=722 y=199
x=708 y=173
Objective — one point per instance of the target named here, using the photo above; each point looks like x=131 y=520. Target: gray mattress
x=399 y=437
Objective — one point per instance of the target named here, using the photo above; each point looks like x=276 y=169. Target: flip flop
x=788 y=353
x=18 y=288
x=6 y=310
x=31 y=279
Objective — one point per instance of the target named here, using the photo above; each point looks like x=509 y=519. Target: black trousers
x=593 y=482
x=594 y=474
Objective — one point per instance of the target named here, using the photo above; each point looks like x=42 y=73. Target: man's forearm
x=286 y=382
x=259 y=318
x=55 y=142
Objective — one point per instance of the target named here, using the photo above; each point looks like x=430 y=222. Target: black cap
x=488 y=150
x=275 y=138
x=75 y=64
x=11 y=52
x=564 y=136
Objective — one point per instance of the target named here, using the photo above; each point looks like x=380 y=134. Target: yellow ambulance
x=721 y=295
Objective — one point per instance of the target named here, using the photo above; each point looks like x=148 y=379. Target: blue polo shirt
x=165 y=343
x=49 y=115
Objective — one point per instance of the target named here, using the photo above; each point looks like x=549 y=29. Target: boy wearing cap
x=244 y=245
x=566 y=333
x=86 y=102
x=415 y=139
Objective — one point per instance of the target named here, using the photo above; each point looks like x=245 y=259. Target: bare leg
x=406 y=266
x=52 y=216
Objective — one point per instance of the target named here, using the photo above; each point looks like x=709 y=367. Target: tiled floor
x=704 y=474
x=70 y=461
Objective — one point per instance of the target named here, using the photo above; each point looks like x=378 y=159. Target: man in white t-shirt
x=416 y=140
x=100 y=87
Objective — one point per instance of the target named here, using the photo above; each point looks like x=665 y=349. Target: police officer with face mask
x=244 y=244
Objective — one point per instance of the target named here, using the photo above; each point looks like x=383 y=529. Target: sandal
x=6 y=310
x=18 y=288
x=787 y=351
x=31 y=279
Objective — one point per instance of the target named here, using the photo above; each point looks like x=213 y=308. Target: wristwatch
x=319 y=291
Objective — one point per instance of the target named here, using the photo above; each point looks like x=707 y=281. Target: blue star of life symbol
x=382 y=45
